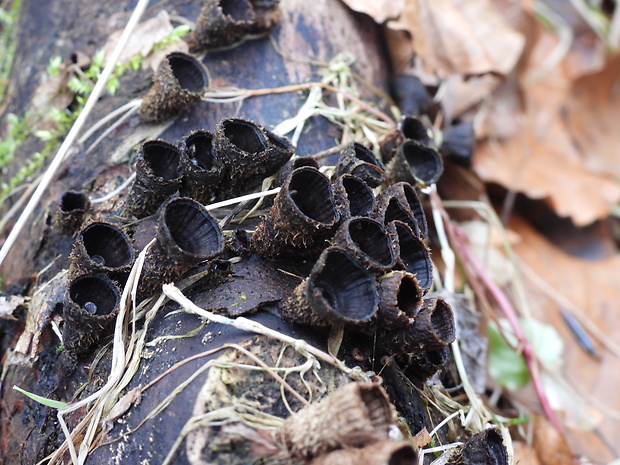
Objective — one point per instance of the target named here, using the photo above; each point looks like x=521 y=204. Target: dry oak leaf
x=468 y=37
x=542 y=159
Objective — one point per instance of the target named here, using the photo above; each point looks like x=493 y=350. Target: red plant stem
x=459 y=239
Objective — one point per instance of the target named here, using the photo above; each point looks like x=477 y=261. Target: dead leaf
x=551 y=447
x=524 y=454
x=591 y=288
x=145 y=35
x=422 y=439
x=8 y=304
x=592 y=114
x=379 y=10
x=460 y=37
x=542 y=160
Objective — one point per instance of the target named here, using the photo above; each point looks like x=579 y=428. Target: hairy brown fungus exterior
x=354 y=196
x=357 y=160
x=243 y=148
x=338 y=290
x=400 y=202
x=484 y=448
x=103 y=248
x=179 y=82
x=432 y=328
x=303 y=217
x=416 y=164
x=158 y=176
x=368 y=241
x=413 y=128
x=458 y=142
x=186 y=235
x=400 y=299
x=355 y=415
x=91 y=305
x=201 y=168
x=378 y=453
x=71 y=211
x=222 y=23
x=413 y=255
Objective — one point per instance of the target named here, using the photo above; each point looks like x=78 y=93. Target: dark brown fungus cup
x=432 y=328
x=338 y=290
x=413 y=128
x=378 y=453
x=359 y=161
x=158 y=176
x=399 y=202
x=222 y=23
x=458 y=143
x=415 y=163
x=72 y=208
x=303 y=217
x=279 y=152
x=400 y=299
x=355 y=415
x=484 y=448
x=367 y=240
x=411 y=94
x=292 y=165
x=354 y=196
x=243 y=148
x=202 y=170
x=413 y=256
x=420 y=366
x=91 y=305
x=103 y=248
x=180 y=81
x=186 y=235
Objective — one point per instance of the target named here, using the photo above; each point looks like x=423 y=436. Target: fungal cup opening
x=371 y=239
x=341 y=289
x=425 y=163
x=237 y=10
x=361 y=198
x=199 y=149
x=190 y=75
x=408 y=297
x=106 y=245
x=244 y=135
x=73 y=201
x=310 y=191
x=442 y=322
x=162 y=158
x=94 y=292
x=192 y=229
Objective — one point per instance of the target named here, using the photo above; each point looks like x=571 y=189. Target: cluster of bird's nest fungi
x=357 y=235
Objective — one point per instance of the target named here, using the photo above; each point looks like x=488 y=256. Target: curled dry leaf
x=145 y=35
x=549 y=159
x=457 y=37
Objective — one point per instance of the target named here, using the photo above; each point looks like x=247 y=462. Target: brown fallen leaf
x=550 y=446
x=379 y=10
x=460 y=37
x=542 y=159
x=524 y=454
x=422 y=438
x=554 y=281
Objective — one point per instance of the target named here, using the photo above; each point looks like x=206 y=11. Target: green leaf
x=54 y=66
x=506 y=366
x=42 y=400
